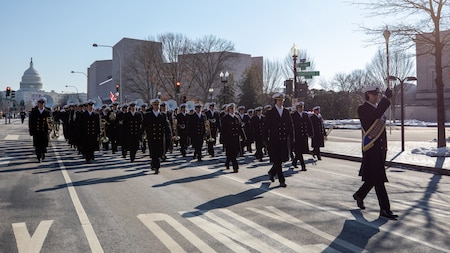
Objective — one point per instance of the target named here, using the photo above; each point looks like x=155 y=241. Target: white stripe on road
x=330 y=210
x=27 y=243
x=93 y=241
x=11 y=137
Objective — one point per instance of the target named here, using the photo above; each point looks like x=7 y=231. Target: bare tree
x=141 y=74
x=207 y=58
x=401 y=66
x=425 y=29
x=273 y=78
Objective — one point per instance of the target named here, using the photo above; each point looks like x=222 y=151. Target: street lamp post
x=294 y=53
x=386 y=35
x=79 y=72
x=402 y=110
x=75 y=89
x=211 y=91
x=224 y=80
x=120 y=68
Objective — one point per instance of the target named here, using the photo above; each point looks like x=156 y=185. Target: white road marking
x=11 y=137
x=27 y=243
x=93 y=241
x=150 y=220
x=345 y=215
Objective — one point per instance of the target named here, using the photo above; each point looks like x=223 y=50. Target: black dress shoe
x=283 y=184
x=359 y=201
x=388 y=214
x=303 y=169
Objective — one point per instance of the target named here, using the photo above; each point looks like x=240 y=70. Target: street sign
x=304 y=64
x=308 y=73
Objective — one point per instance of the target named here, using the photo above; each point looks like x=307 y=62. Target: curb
x=392 y=164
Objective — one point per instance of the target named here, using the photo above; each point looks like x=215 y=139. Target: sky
x=58 y=35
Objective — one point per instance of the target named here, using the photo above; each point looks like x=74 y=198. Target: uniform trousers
x=380 y=190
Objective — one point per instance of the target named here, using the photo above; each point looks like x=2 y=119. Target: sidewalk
x=352 y=151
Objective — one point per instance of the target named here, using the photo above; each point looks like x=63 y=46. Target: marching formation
x=276 y=131
x=273 y=131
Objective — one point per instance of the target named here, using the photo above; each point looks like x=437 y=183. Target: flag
x=112 y=97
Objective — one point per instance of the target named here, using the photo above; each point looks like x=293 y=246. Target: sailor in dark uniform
x=182 y=129
x=156 y=125
x=319 y=132
x=302 y=131
x=257 y=124
x=39 y=128
x=232 y=135
x=112 y=130
x=90 y=131
x=278 y=130
x=213 y=118
x=132 y=124
x=373 y=172
x=197 y=131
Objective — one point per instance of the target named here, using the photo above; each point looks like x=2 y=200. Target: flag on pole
x=112 y=97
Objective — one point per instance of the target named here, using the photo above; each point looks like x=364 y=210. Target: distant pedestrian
x=22 y=116
x=319 y=133
x=374 y=146
x=278 y=130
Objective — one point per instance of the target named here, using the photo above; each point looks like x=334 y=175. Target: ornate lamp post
x=294 y=53
x=120 y=69
x=224 y=80
x=211 y=91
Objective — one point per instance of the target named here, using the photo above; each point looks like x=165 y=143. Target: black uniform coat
x=156 y=128
x=132 y=125
x=197 y=129
x=232 y=133
x=90 y=130
x=319 y=133
x=302 y=131
x=214 y=122
x=277 y=131
x=372 y=167
x=258 y=127
x=182 y=124
x=39 y=128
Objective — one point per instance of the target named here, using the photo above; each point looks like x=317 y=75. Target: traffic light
x=117 y=87
x=8 y=91
x=13 y=94
x=178 y=87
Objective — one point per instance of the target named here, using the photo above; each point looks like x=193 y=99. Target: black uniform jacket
x=372 y=167
x=38 y=127
x=156 y=128
x=278 y=130
x=302 y=130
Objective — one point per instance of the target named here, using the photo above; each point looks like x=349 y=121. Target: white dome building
x=31 y=80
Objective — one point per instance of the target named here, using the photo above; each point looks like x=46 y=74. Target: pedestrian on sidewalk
x=374 y=146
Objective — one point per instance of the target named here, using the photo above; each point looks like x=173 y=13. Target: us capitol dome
x=31 y=80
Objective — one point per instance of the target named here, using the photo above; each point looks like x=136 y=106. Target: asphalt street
x=113 y=205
